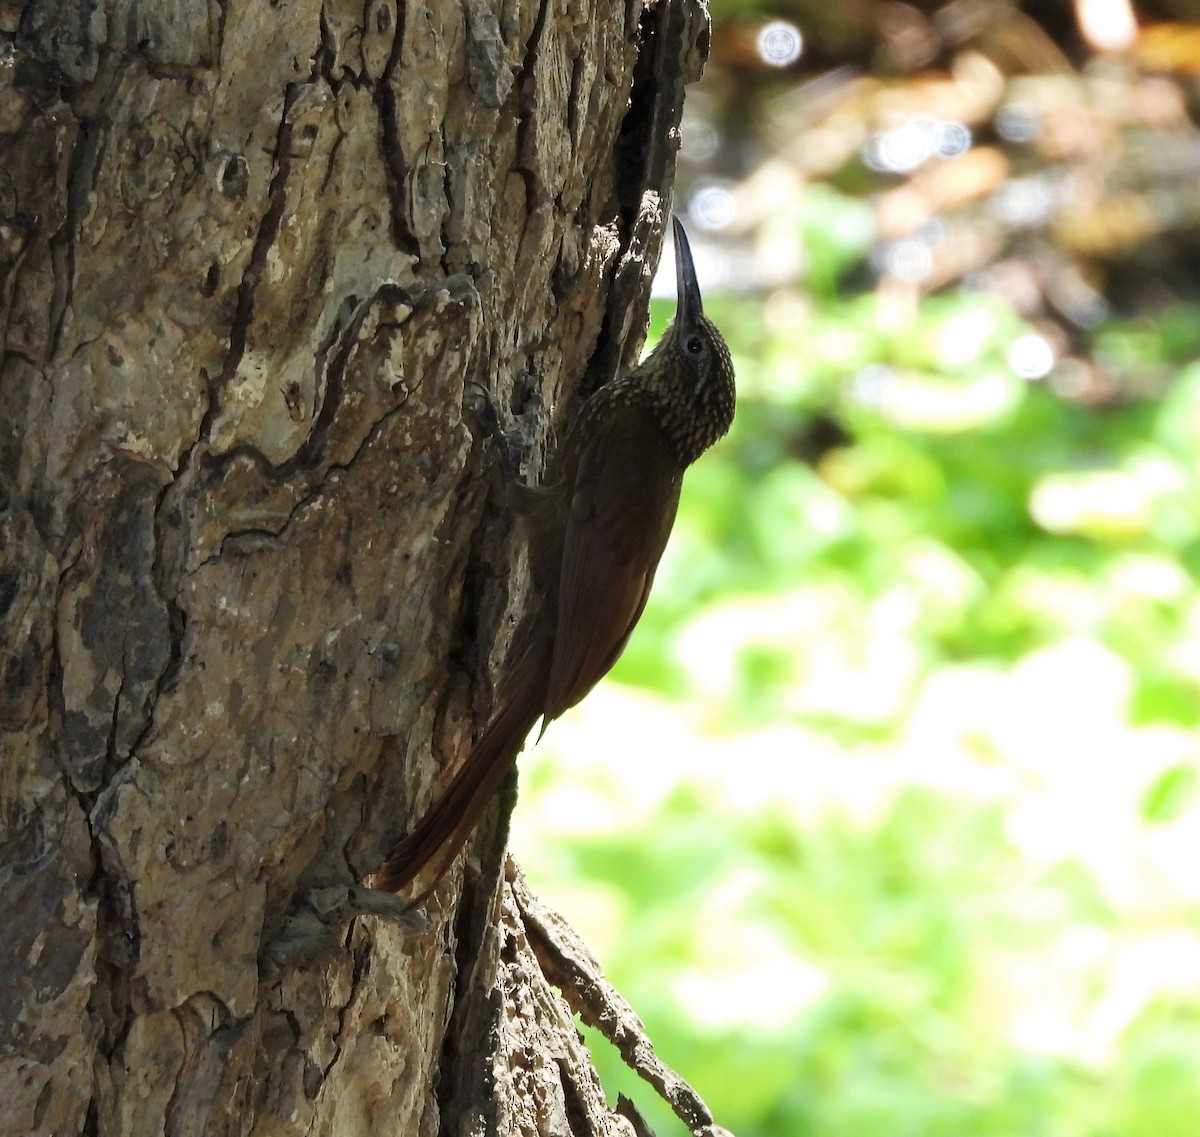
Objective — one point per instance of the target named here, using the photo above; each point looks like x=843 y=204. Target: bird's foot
x=314 y=927
x=483 y=409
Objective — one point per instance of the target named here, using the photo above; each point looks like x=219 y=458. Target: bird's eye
x=694 y=345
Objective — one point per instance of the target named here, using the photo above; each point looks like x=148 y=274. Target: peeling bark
x=254 y=584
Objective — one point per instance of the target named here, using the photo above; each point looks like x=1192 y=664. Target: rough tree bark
x=255 y=583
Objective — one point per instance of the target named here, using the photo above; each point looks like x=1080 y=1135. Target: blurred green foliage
x=906 y=554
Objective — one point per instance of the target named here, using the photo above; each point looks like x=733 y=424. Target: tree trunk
x=255 y=583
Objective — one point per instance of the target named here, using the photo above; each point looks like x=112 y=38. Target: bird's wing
x=621 y=513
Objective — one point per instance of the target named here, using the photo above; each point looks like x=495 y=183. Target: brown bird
x=596 y=529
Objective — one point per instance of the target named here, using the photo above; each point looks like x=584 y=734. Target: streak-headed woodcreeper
x=596 y=528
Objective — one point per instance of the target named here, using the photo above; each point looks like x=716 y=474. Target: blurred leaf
x=1169 y=795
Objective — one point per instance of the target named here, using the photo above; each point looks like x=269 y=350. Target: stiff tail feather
x=450 y=820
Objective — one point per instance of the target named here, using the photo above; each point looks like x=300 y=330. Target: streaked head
x=696 y=370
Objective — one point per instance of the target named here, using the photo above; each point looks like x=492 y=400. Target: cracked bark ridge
x=567 y=962
x=530 y=1072
x=254 y=585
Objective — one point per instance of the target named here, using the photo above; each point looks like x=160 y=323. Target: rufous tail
x=447 y=824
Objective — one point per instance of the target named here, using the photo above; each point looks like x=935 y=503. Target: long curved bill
x=686 y=285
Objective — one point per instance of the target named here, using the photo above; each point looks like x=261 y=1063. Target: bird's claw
x=482 y=406
x=484 y=411
x=314 y=928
